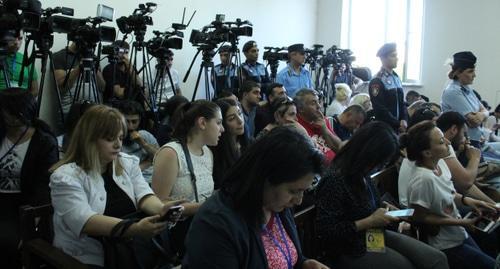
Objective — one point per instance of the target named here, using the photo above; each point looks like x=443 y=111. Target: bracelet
x=463 y=199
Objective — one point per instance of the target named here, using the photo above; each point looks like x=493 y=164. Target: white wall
x=271 y=20
x=449 y=26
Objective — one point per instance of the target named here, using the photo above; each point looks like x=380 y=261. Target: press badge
x=375 y=241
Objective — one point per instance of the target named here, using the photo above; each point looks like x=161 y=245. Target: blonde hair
x=99 y=121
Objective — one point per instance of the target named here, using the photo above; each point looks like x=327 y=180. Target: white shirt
x=77 y=195
x=166 y=91
x=335 y=108
x=202 y=166
x=11 y=165
x=436 y=193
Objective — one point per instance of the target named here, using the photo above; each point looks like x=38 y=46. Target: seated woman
x=284 y=112
x=232 y=142
x=28 y=149
x=349 y=209
x=95 y=185
x=198 y=125
x=432 y=194
x=248 y=223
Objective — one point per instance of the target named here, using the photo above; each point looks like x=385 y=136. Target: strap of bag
x=191 y=170
x=121 y=227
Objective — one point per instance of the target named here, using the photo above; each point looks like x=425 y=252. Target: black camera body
x=219 y=31
x=138 y=21
x=275 y=54
x=336 y=57
x=160 y=45
x=17 y=15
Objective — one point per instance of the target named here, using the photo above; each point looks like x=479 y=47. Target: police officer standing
x=225 y=72
x=386 y=90
x=295 y=77
x=251 y=69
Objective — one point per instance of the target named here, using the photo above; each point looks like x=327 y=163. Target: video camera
x=220 y=31
x=20 y=15
x=275 y=54
x=314 y=55
x=159 y=45
x=336 y=57
x=138 y=21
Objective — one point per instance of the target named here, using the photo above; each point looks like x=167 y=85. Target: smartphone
x=401 y=213
x=174 y=210
x=482 y=224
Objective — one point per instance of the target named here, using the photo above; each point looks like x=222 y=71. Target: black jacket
x=220 y=238
x=42 y=153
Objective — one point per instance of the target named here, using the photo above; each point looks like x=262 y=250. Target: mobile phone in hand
x=401 y=213
x=174 y=210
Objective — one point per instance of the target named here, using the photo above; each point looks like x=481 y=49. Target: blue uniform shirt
x=225 y=77
x=256 y=72
x=462 y=100
x=293 y=81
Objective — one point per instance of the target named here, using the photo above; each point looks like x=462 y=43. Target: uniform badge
x=375 y=89
x=388 y=82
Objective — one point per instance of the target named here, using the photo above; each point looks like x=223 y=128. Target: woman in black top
x=27 y=150
x=348 y=207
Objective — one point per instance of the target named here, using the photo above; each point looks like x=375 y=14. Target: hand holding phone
x=401 y=213
x=172 y=214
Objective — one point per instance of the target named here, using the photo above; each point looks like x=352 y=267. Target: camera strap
x=191 y=170
x=15 y=144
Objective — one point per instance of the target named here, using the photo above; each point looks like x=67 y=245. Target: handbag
x=118 y=250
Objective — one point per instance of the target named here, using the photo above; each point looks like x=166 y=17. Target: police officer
x=386 y=90
x=294 y=76
x=225 y=72
x=251 y=69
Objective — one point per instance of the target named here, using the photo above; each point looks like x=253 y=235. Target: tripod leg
x=52 y=69
x=197 y=83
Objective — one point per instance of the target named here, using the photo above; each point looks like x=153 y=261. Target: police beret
x=296 y=48
x=464 y=59
x=225 y=48
x=250 y=44
x=386 y=49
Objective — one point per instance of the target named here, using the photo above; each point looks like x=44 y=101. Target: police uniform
x=291 y=80
x=386 y=93
x=225 y=77
x=254 y=71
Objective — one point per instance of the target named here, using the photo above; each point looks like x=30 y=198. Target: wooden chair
x=304 y=219
x=386 y=181
x=37 y=234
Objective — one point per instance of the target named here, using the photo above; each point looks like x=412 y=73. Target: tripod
x=159 y=82
x=207 y=63
x=44 y=43
x=324 y=87
x=273 y=65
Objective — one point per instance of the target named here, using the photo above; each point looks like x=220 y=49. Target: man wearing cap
x=386 y=91
x=119 y=76
x=459 y=96
x=11 y=40
x=225 y=72
x=251 y=69
x=295 y=77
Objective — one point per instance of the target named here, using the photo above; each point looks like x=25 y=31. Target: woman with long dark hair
x=350 y=214
x=231 y=143
x=248 y=224
x=28 y=148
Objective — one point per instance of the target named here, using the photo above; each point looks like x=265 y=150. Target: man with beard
x=249 y=98
x=120 y=76
x=139 y=143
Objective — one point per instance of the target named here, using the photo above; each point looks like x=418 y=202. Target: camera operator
x=344 y=75
x=63 y=60
x=225 y=72
x=251 y=69
x=119 y=79
x=11 y=41
x=167 y=92
x=295 y=77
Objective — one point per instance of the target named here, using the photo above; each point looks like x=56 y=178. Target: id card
x=375 y=240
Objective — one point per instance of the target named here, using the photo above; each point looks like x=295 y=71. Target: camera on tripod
x=275 y=54
x=159 y=45
x=138 y=21
x=220 y=31
x=336 y=57
x=314 y=55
